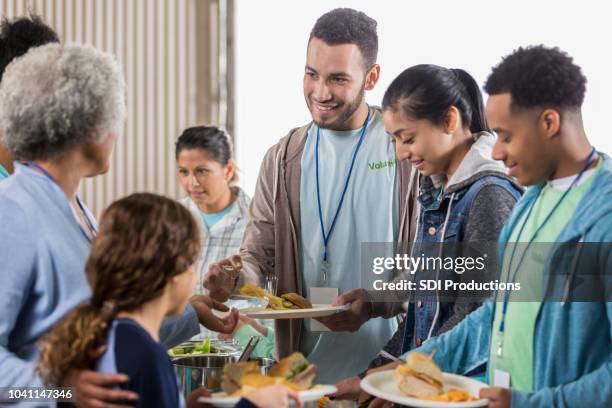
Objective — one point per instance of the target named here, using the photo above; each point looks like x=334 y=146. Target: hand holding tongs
x=249 y=348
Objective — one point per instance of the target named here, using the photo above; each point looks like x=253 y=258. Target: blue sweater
x=42 y=258
x=132 y=351
x=572 y=341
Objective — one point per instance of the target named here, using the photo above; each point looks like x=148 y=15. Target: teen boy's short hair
x=348 y=26
x=539 y=76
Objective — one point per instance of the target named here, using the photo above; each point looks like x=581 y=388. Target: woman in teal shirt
x=207 y=173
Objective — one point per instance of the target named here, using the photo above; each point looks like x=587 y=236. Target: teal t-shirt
x=211 y=219
x=265 y=346
x=519 y=325
x=3 y=173
x=369 y=214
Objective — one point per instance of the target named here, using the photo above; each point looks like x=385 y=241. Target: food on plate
x=295 y=368
x=284 y=302
x=251 y=290
x=296 y=301
x=275 y=303
x=233 y=374
x=453 y=395
x=421 y=378
x=293 y=372
x=322 y=402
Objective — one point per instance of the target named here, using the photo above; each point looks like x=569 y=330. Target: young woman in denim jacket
x=436 y=118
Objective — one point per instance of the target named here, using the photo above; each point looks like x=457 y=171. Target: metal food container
x=206 y=370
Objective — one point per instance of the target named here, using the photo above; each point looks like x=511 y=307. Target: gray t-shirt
x=369 y=214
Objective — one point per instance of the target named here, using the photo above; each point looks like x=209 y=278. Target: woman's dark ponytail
x=428 y=91
x=474 y=97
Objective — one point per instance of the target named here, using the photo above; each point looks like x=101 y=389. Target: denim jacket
x=473 y=207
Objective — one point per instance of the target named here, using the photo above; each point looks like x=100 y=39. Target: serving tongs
x=246 y=353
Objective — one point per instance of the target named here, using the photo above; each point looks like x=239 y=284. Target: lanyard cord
x=346 y=184
x=588 y=162
x=78 y=200
x=3 y=172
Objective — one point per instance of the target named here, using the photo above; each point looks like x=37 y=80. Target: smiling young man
x=551 y=352
x=553 y=346
x=321 y=192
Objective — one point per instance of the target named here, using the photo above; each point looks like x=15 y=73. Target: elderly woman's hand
x=228 y=336
x=204 y=306
x=91 y=388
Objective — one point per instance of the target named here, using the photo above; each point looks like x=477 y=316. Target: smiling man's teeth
x=326 y=108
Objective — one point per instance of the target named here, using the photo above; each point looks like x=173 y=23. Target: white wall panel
x=164 y=55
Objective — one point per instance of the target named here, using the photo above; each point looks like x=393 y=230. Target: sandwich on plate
x=420 y=377
x=296 y=369
x=293 y=372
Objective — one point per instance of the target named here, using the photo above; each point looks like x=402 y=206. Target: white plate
x=244 y=305
x=315 y=311
x=246 y=297
x=220 y=400
x=383 y=385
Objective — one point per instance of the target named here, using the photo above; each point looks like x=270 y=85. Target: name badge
x=323 y=296
x=501 y=378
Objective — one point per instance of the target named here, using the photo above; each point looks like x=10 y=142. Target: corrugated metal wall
x=169 y=52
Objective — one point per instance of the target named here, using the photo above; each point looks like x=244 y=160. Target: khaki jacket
x=269 y=247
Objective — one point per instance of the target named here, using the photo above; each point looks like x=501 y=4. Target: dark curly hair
x=348 y=26
x=143 y=242
x=19 y=35
x=538 y=76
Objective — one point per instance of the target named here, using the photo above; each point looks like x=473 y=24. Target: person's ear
x=452 y=120
x=372 y=77
x=230 y=170
x=549 y=123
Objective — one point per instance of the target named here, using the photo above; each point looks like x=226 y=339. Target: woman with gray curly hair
x=61 y=109
x=63 y=106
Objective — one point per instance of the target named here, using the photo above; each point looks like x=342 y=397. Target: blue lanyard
x=346 y=183
x=3 y=173
x=589 y=161
x=78 y=200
